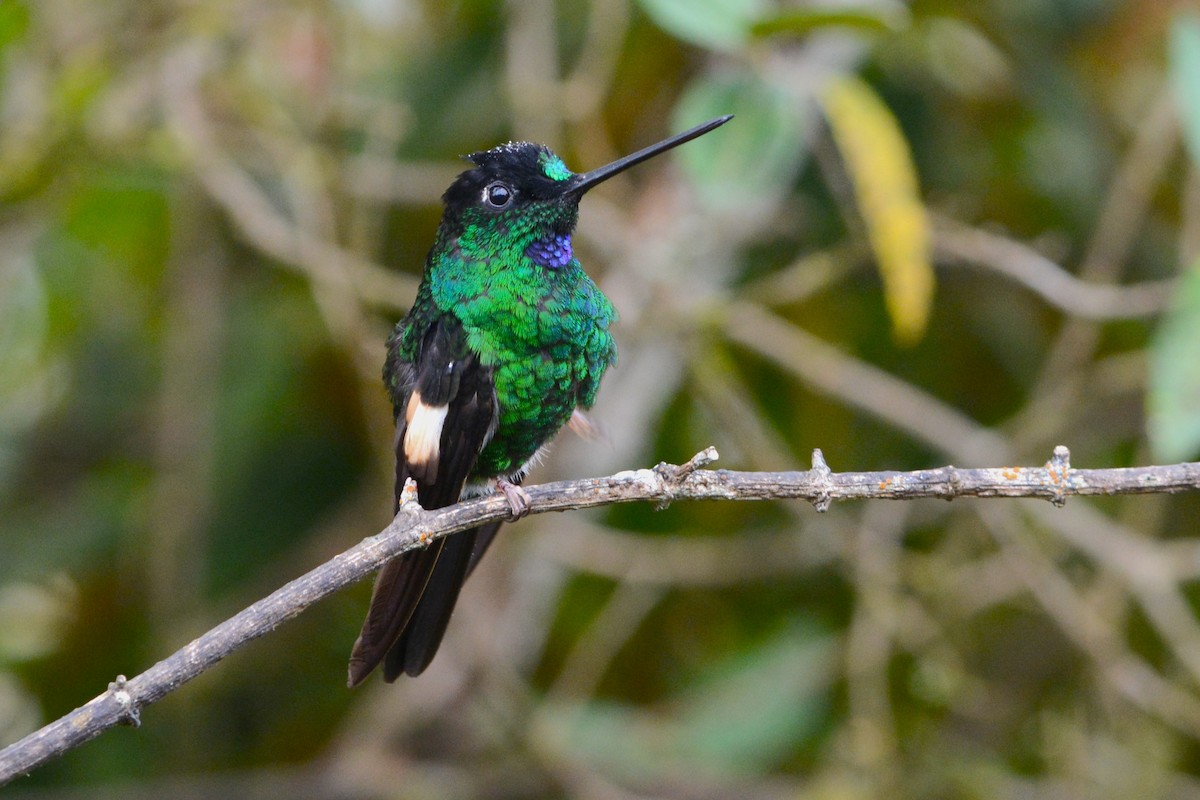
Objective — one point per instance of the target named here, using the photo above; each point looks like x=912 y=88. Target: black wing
x=447 y=389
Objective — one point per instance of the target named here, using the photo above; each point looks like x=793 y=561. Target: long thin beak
x=586 y=180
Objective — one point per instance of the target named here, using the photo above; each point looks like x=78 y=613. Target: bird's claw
x=518 y=499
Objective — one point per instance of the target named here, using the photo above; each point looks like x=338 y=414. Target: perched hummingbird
x=507 y=338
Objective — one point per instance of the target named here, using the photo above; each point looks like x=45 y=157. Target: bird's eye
x=497 y=195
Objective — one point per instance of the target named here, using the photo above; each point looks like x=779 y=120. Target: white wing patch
x=423 y=433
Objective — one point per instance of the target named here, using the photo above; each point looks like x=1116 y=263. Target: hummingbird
x=507 y=339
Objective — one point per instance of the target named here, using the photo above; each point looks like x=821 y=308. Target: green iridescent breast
x=545 y=333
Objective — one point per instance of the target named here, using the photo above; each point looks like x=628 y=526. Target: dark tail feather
x=397 y=593
x=419 y=643
x=412 y=603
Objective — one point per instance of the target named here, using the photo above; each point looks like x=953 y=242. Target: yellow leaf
x=885 y=185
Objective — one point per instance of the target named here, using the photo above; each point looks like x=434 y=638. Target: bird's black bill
x=584 y=181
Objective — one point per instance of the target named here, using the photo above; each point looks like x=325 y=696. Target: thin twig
x=414 y=527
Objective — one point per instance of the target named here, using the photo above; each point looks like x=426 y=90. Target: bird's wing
x=445 y=414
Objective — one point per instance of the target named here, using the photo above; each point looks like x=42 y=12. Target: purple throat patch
x=552 y=252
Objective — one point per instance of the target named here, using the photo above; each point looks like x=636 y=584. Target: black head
x=525 y=175
x=510 y=176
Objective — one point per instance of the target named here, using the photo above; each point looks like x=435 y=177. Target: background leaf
x=885 y=185
x=756 y=709
x=720 y=24
x=14 y=22
x=746 y=716
x=802 y=21
x=759 y=158
x=1174 y=392
x=1185 y=77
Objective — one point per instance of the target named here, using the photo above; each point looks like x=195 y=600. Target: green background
x=212 y=213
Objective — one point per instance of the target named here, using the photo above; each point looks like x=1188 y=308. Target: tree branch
x=415 y=527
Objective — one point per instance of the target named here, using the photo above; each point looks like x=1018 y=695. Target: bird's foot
x=518 y=499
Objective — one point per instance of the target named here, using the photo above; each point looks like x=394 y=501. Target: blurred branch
x=870 y=640
x=175 y=559
x=414 y=527
x=692 y=561
x=251 y=210
x=387 y=180
x=593 y=652
x=1131 y=192
x=1089 y=630
x=1080 y=298
x=828 y=370
x=590 y=78
x=531 y=69
x=805 y=277
x=1122 y=215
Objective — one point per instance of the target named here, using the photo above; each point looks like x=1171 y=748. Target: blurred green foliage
x=212 y=214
